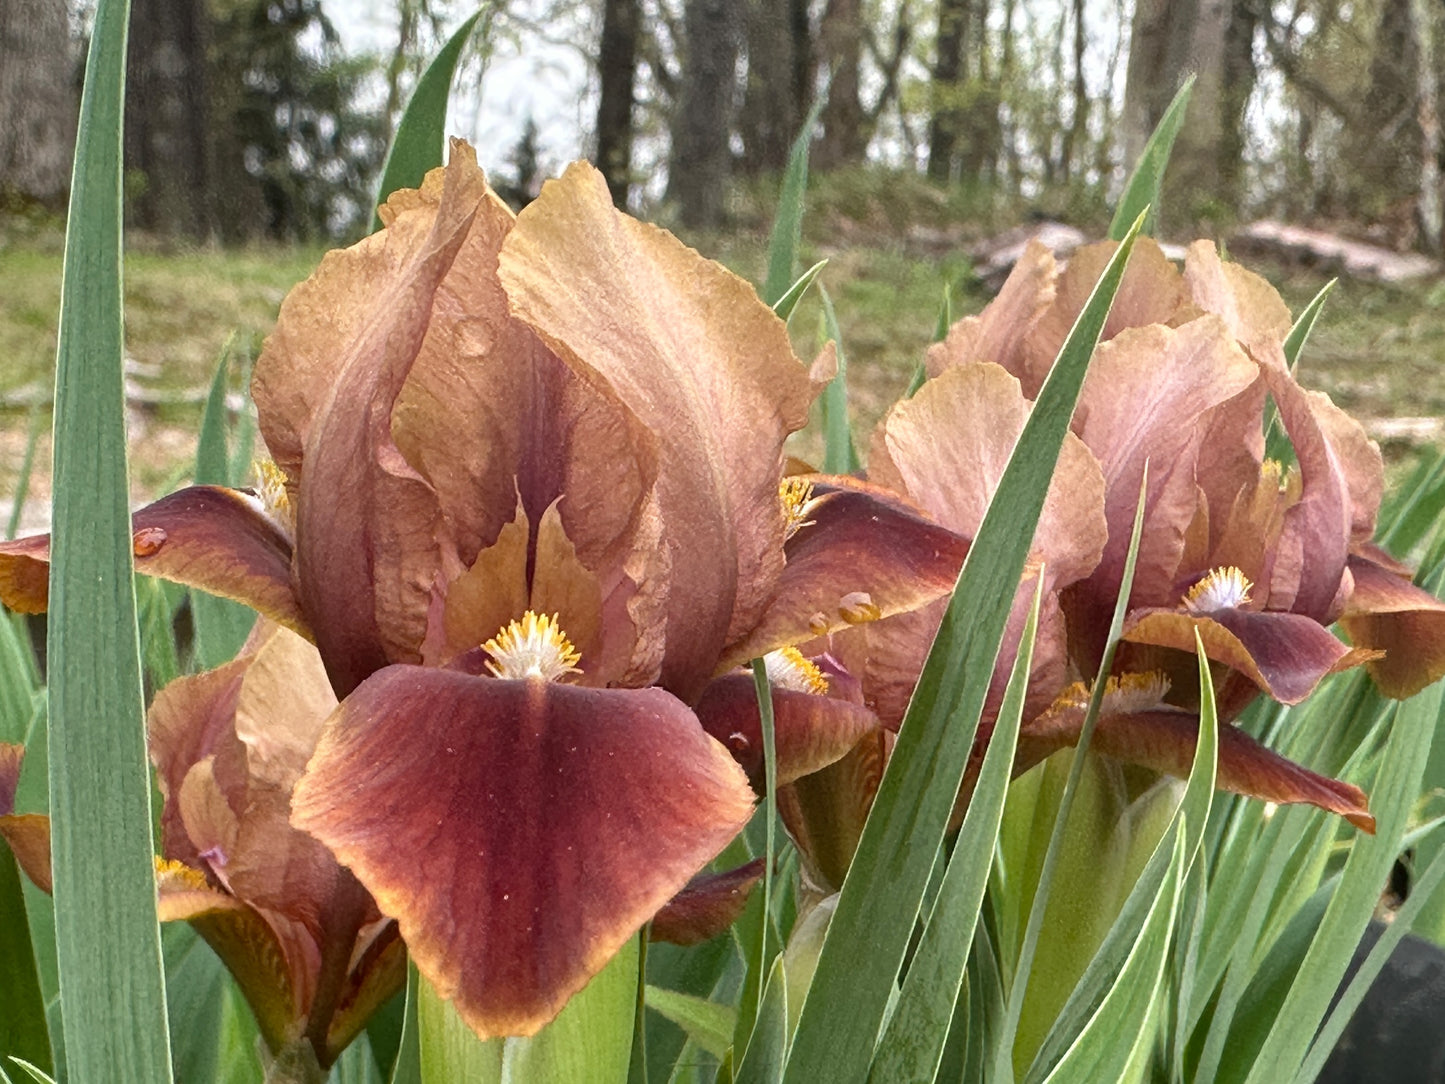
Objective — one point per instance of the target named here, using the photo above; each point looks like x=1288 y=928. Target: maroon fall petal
x=1165 y=741
x=709 y=904
x=557 y=819
x=810 y=731
x=1285 y=654
x=865 y=555
x=209 y=537
x=1388 y=612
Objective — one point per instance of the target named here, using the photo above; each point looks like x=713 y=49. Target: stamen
x=1222 y=589
x=796 y=495
x=534 y=647
x=177 y=874
x=788 y=669
x=270 y=489
x=1124 y=694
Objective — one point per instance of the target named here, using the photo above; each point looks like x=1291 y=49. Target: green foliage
x=107 y=938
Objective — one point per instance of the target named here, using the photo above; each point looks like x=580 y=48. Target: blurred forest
x=247 y=119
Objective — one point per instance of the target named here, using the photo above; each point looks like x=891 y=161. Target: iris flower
x=527 y=500
x=309 y=950
x=1256 y=557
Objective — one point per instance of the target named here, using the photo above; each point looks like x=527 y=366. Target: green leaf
x=1141 y=193
x=213 y=1034
x=881 y=895
x=785 y=305
x=1277 y=442
x=418 y=143
x=107 y=938
x=767 y=1050
x=788 y=226
x=1395 y=789
x=839 y=455
x=711 y=971
x=34 y=1072
x=913 y=1043
x=27 y=466
x=407 y=1067
x=221 y=625
x=1063 y=831
x=23 y=1028
x=590 y=1041
x=707 y=1023
x=1114 y=996
x=940 y=332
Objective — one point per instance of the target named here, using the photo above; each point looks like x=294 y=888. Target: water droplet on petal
x=146 y=541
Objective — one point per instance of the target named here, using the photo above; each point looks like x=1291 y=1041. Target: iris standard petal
x=557 y=819
x=703 y=363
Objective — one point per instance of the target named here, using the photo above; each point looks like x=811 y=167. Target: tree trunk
x=1079 y=123
x=618 y=63
x=949 y=76
x=771 y=105
x=1385 y=150
x=166 y=129
x=1215 y=40
x=37 y=104
x=844 y=140
x=1432 y=215
x=700 y=152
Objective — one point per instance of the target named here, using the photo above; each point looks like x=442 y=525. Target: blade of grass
x=839 y=454
x=107 y=937
x=1115 y=993
x=912 y=1045
x=1400 y=924
x=407 y=1067
x=1004 y=1053
x=417 y=145
x=869 y=934
x=27 y=466
x=1395 y=788
x=788 y=226
x=786 y=304
x=1141 y=192
x=940 y=332
x=1277 y=442
x=221 y=625
x=707 y=1023
x=767 y=1050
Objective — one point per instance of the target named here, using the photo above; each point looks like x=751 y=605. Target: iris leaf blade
x=788 y=226
x=1142 y=191
x=417 y=145
x=869 y=934
x=840 y=456
x=107 y=936
x=913 y=1043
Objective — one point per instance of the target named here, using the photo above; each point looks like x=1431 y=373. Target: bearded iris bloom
x=528 y=503
x=1257 y=558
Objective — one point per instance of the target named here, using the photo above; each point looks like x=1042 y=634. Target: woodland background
x=255 y=131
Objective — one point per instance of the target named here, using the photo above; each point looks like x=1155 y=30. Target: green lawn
x=1378 y=351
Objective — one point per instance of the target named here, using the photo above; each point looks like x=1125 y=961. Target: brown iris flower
x=528 y=502
x=1255 y=557
x=308 y=948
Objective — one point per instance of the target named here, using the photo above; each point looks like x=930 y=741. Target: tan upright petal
x=1148 y=398
x=368 y=523
x=1151 y=292
x=1250 y=307
x=998 y=334
x=703 y=363
x=1315 y=536
x=946 y=449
